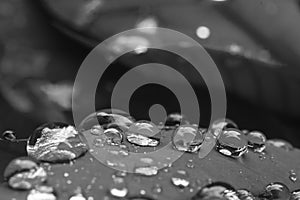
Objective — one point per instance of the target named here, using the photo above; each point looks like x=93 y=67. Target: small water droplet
x=175 y=119
x=277 y=191
x=188 y=138
x=96 y=130
x=118 y=189
x=203 y=32
x=215 y=190
x=36 y=194
x=235 y=49
x=280 y=144
x=77 y=197
x=180 y=179
x=190 y=164
x=157 y=189
x=245 y=195
x=295 y=195
x=56 y=142
x=256 y=141
x=9 y=135
x=114 y=136
x=146 y=171
x=232 y=142
x=293 y=176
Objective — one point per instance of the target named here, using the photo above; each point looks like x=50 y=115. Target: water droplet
x=118 y=188
x=188 y=138
x=107 y=118
x=141 y=140
x=190 y=164
x=277 y=191
x=295 y=195
x=203 y=32
x=77 y=197
x=36 y=194
x=19 y=165
x=9 y=135
x=144 y=127
x=256 y=141
x=96 y=130
x=245 y=195
x=56 y=142
x=293 y=176
x=114 y=136
x=180 y=179
x=280 y=144
x=24 y=174
x=215 y=190
x=232 y=142
x=220 y=125
x=146 y=171
x=175 y=119
x=157 y=189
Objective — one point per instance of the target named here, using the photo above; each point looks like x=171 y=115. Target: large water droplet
x=188 y=138
x=146 y=171
x=180 y=179
x=276 y=191
x=245 y=195
x=141 y=140
x=295 y=195
x=231 y=142
x=215 y=191
x=220 y=125
x=118 y=189
x=175 y=119
x=280 y=144
x=56 y=142
x=293 y=176
x=42 y=192
x=256 y=141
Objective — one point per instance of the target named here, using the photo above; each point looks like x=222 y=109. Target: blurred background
x=255 y=44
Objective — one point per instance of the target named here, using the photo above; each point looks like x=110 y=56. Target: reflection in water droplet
x=280 y=144
x=232 y=142
x=256 y=141
x=215 y=190
x=141 y=140
x=107 y=119
x=295 y=195
x=19 y=165
x=221 y=124
x=175 y=119
x=293 y=176
x=245 y=195
x=188 y=138
x=277 y=191
x=203 y=32
x=146 y=171
x=114 y=136
x=56 y=142
x=180 y=179
x=144 y=127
